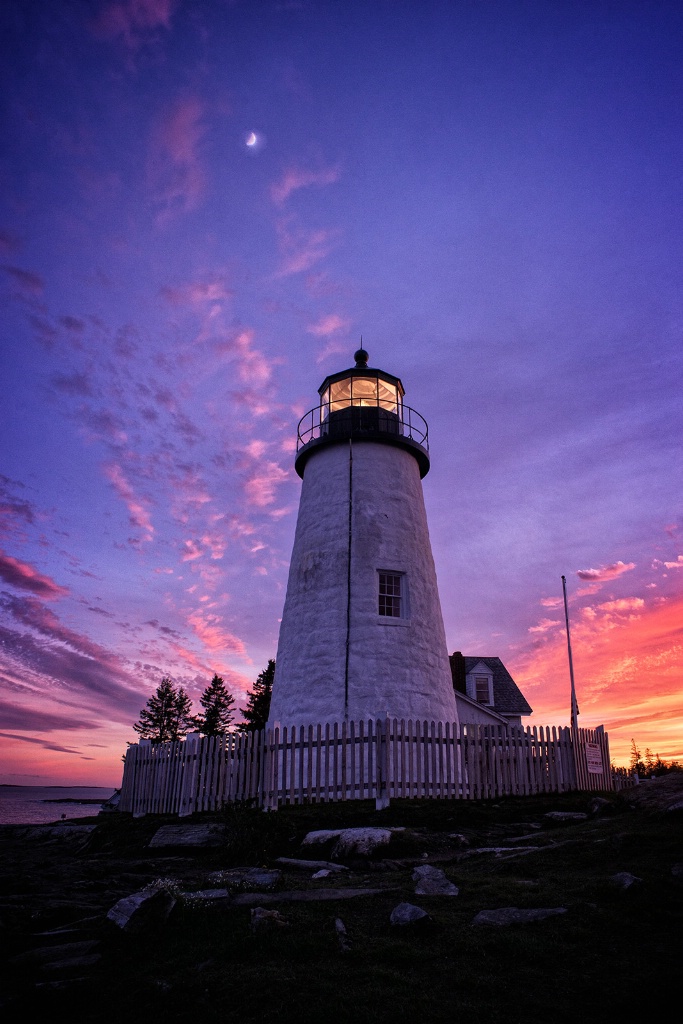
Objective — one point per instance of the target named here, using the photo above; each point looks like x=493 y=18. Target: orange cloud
x=627 y=665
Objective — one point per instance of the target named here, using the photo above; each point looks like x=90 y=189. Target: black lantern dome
x=362 y=404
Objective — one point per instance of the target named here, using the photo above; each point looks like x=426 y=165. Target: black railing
x=351 y=420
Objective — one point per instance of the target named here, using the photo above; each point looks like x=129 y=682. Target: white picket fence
x=380 y=760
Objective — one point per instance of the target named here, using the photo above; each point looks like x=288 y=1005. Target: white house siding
x=398 y=667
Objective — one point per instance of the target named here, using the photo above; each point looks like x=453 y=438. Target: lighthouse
x=362 y=634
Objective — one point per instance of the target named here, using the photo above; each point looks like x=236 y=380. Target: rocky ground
x=345 y=913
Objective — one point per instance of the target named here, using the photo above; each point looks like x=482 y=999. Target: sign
x=594 y=759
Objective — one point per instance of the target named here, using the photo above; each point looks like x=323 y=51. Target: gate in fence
x=381 y=760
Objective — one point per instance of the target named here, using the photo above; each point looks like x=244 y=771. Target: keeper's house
x=485 y=692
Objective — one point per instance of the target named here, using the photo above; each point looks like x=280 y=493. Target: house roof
x=508 y=699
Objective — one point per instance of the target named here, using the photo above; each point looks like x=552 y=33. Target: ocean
x=38 y=805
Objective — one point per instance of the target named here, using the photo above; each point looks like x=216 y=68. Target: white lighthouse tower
x=362 y=633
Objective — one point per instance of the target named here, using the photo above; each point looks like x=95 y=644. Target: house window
x=481 y=689
x=390 y=594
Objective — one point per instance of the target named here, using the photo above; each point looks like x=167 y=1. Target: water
x=26 y=805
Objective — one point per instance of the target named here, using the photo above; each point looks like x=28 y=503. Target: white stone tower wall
x=398 y=666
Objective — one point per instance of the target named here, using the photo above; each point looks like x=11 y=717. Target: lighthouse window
x=390 y=594
x=372 y=391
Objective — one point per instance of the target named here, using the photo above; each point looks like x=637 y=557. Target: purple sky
x=489 y=193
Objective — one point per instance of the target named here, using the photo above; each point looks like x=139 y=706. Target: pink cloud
x=302 y=249
x=295 y=178
x=544 y=625
x=208 y=629
x=24 y=577
x=605 y=572
x=195 y=293
x=260 y=488
x=678 y=564
x=327 y=325
x=137 y=511
x=132 y=21
x=175 y=170
x=551 y=602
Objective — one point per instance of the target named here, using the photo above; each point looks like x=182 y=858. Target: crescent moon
x=251 y=139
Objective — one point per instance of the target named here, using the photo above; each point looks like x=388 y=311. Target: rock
x=677 y=874
x=459 y=839
x=246 y=899
x=512 y=915
x=207 y=896
x=675 y=808
x=321 y=836
x=599 y=806
x=624 y=880
x=432 y=881
x=246 y=878
x=351 y=842
x=143 y=911
x=565 y=816
x=263 y=920
x=323 y=873
x=189 y=835
x=342 y=936
x=408 y=915
x=55 y=956
x=306 y=865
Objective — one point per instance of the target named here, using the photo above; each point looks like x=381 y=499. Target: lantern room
x=362 y=403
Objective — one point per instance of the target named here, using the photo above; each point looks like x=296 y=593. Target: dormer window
x=481 y=684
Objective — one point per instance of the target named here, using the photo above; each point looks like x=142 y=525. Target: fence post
x=382 y=797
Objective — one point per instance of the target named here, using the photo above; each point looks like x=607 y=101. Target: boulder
x=143 y=911
x=513 y=915
x=351 y=842
x=263 y=920
x=624 y=880
x=188 y=835
x=246 y=878
x=432 y=881
x=563 y=816
x=408 y=915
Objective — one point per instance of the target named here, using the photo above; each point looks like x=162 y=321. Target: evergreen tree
x=636 y=764
x=256 y=712
x=168 y=714
x=218 y=704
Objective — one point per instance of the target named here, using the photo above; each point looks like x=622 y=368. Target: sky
x=204 y=205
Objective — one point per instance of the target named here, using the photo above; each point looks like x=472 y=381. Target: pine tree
x=636 y=764
x=218 y=704
x=256 y=712
x=168 y=714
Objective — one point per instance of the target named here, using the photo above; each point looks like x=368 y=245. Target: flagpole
x=574 y=705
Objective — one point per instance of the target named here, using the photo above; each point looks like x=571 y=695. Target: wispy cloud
x=175 y=171
x=25 y=577
x=133 y=22
x=605 y=572
x=195 y=293
x=209 y=629
x=295 y=178
x=28 y=282
x=328 y=325
x=261 y=485
x=139 y=516
x=302 y=248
